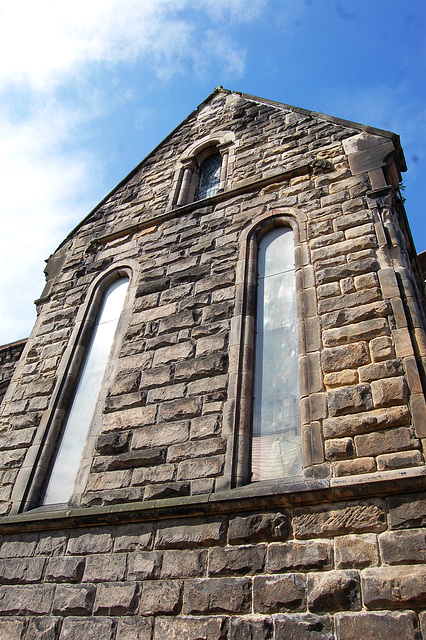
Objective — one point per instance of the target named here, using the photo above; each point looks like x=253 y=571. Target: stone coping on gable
x=254 y=497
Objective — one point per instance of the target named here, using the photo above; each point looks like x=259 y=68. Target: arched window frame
x=37 y=463
x=239 y=405
x=185 y=183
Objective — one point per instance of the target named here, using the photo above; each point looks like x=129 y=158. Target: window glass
x=209 y=180
x=88 y=384
x=276 y=442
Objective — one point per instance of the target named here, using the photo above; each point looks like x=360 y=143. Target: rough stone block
x=403 y=547
x=407 y=511
x=379 y=370
x=190 y=628
x=180 y=409
x=108 y=567
x=388 y=441
x=349 y=399
x=43 y=628
x=303 y=626
x=93 y=628
x=184 y=564
x=116 y=598
x=272 y=594
x=300 y=556
x=354 y=467
x=129 y=418
x=339 y=519
x=21 y=570
x=258 y=527
x=134 y=628
x=200 y=468
x=12 y=629
x=167 y=490
x=65 y=569
x=401 y=587
x=160 y=597
x=144 y=565
x=200 y=368
x=344 y=378
x=389 y=392
x=334 y=591
x=193 y=532
x=256 y=628
x=25 y=546
x=205 y=426
x=188 y=450
x=352 y=332
x=356 y=552
x=217 y=595
x=26 y=600
x=399 y=460
x=381 y=349
x=160 y=473
x=372 y=626
x=160 y=434
x=365 y=422
x=134 y=537
x=74 y=599
x=239 y=560
x=339 y=448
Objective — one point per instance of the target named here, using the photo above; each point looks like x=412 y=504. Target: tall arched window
x=69 y=448
x=276 y=435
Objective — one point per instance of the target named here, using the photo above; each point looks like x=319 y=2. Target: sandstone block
x=74 y=599
x=108 y=444
x=116 y=598
x=349 y=399
x=105 y=567
x=166 y=490
x=134 y=628
x=394 y=587
x=407 y=511
x=205 y=426
x=21 y=570
x=399 y=460
x=217 y=595
x=129 y=460
x=354 y=467
x=26 y=600
x=180 y=409
x=345 y=378
x=93 y=628
x=339 y=448
x=173 y=353
x=159 y=473
x=183 y=564
x=381 y=349
x=129 y=418
x=134 y=537
x=200 y=368
x=334 y=591
x=365 y=422
x=348 y=300
x=200 y=468
x=356 y=552
x=352 y=332
x=303 y=626
x=43 y=628
x=300 y=556
x=144 y=565
x=160 y=435
x=389 y=392
x=379 y=370
x=258 y=527
x=12 y=629
x=371 y=626
x=25 y=546
x=403 y=547
x=272 y=594
x=190 y=628
x=373 y=444
x=193 y=532
x=237 y=560
x=157 y=377
x=339 y=519
x=65 y=569
x=344 y=357
x=88 y=541
x=255 y=628
x=188 y=450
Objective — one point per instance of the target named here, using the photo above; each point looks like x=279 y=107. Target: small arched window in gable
x=209 y=178
x=78 y=420
x=276 y=436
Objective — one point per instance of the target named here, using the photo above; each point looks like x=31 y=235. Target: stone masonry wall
x=350 y=570
x=161 y=542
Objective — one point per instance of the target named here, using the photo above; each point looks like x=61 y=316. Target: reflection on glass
x=276 y=442
x=88 y=384
x=209 y=181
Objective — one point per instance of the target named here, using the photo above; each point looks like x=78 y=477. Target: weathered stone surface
x=130 y=459
x=160 y=596
x=342 y=317
x=200 y=468
x=217 y=595
x=160 y=434
x=389 y=392
x=74 y=599
x=190 y=533
x=171 y=489
x=378 y=370
x=303 y=626
x=26 y=600
x=352 y=332
x=180 y=409
x=108 y=444
x=371 y=626
x=134 y=537
x=116 y=598
x=381 y=349
x=18 y=547
x=354 y=467
x=272 y=594
x=365 y=422
x=93 y=628
x=394 y=587
x=389 y=461
x=183 y=564
x=134 y=628
x=108 y=567
x=129 y=418
x=190 y=628
x=334 y=591
x=255 y=628
x=257 y=527
x=12 y=629
x=300 y=556
x=188 y=450
x=144 y=565
x=373 y=444
x=403 y=547
x=339 y=448
x=339 y=519
x=43 y=628
x=356 y=552
x=21 y=570
x=242 y=560
x=65 y=569
x=349 y=400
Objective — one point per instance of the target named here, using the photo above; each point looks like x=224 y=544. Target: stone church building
x=216 y=427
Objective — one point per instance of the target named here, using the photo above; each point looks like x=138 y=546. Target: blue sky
x=88 y=89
